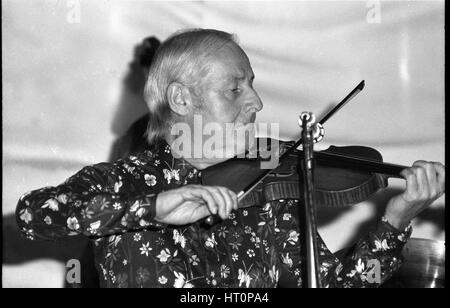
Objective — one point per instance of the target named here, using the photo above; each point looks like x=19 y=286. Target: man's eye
x=236 y=90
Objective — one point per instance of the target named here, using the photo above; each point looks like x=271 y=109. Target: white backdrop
x=64 y=99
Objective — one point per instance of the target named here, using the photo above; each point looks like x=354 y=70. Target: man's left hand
x=425 y=182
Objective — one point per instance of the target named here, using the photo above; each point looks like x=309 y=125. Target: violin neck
x=358 y=164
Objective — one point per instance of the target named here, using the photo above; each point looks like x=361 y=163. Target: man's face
x=226 y=98
x=226 y=91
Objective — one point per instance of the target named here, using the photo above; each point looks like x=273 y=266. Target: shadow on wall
x=132 y=104
x=18 y=250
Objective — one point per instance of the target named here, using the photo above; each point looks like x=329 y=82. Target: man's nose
x=253 y=102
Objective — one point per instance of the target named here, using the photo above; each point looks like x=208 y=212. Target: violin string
x=388 y=168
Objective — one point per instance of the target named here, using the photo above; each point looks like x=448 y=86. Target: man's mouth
x=245 y=122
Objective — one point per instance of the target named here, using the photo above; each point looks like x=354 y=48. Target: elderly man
x=144 y=212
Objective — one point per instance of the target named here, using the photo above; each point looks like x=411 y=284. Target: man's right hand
x=191 y=203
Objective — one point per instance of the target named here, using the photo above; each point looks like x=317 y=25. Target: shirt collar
x=164 y=151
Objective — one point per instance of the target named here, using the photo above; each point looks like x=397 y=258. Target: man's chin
x=245 y=122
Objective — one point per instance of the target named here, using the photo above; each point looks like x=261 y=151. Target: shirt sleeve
x=373 y=260
x=99 y=200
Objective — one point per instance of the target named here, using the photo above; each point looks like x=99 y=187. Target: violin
x=343 y=176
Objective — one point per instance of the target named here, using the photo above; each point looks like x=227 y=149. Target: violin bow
x=325 y=118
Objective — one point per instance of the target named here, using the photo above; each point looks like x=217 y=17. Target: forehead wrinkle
x=205 y=66
x=234 y=72
x=226 y=66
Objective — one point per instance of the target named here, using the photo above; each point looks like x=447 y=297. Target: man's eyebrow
x=243 y=77
x=234 y=78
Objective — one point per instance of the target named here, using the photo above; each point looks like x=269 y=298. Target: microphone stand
x=306 y=172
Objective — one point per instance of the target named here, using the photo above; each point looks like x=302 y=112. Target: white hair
x=178 y=59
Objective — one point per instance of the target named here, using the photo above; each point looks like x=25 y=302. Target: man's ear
x=179 y=98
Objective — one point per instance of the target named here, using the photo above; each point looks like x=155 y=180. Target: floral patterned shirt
x=114 y=205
